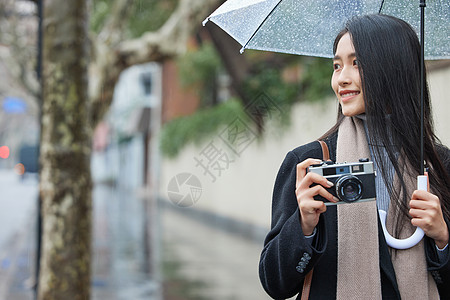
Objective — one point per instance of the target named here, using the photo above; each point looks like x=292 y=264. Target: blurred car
x=29 y=158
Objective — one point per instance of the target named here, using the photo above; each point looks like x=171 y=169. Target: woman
x=377 y=82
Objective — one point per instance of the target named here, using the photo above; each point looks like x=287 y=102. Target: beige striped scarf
x=358 y=254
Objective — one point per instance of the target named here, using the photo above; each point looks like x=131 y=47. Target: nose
x=345 y=77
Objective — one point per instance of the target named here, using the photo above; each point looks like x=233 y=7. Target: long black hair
x=388 y=54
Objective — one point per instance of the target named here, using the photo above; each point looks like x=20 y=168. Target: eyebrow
x=351 y=55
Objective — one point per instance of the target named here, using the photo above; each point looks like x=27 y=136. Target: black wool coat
x=287 y=256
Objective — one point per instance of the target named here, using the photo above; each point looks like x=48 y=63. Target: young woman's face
x=346 y=81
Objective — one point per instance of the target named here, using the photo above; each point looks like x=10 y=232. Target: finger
x=418 y=213
x=312 y=207
x=428 y=180
x=425 y=213
x=419 y=195
x=301 y=167
x=431 y=203
x=418 y=204
x=322 y=208
x=425 y=224
x=315 y=191
x=423 y=195
x=313 y=178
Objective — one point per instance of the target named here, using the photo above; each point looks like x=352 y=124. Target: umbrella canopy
x=309 y=27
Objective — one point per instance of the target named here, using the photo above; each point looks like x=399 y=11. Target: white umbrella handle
x=422 y=184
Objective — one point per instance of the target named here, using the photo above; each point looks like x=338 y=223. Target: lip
x=346 y=95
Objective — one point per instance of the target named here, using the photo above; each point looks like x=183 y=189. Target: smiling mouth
x=348 y=95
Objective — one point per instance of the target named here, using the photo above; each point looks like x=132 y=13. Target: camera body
x=353 y=182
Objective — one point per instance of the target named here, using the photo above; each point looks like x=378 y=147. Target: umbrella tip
x=205 y=21
x=242 y=50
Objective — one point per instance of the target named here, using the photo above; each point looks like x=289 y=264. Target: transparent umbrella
x=309 y=28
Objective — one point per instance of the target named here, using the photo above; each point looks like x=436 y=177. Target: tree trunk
x=65 y=181
x=234 y=62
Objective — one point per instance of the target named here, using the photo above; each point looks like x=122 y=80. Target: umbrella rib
x=268 y=15
x=381 y=7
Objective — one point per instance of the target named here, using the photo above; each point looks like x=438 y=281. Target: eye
x=336 y=66
x=356 y=62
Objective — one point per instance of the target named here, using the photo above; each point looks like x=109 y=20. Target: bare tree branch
x=169 y=41
x=113 y=30
x=17 y=34
x=103 y=73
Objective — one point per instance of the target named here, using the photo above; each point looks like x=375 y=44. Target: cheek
x=357 y=78
x=334 y=84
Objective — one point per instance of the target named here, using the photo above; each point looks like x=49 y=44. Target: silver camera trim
x=368 y=168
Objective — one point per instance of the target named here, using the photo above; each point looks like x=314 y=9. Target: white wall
x=244 y=190
x=439 y=85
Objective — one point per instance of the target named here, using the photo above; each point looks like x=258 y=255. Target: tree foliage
x=197 y=127
x=148 y=15
x=316 y=78
x=198 y=69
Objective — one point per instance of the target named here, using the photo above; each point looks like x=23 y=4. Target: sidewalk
x=219 y=264
x=119 y=265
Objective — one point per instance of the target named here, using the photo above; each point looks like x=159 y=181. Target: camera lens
x=349 y=188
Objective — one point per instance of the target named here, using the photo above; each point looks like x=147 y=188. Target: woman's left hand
x=426 y=213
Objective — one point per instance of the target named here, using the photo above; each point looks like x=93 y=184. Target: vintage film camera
x=353 y=182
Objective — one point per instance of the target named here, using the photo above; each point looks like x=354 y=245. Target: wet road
x=18 y=200
x=210 y=262
x=18 y=206
x=118 y=261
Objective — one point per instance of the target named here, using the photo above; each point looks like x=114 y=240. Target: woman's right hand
x=311 y=209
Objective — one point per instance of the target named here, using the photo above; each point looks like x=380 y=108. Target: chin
x=349 y=113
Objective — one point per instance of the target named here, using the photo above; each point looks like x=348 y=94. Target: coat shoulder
x=310 y=150
x=314 y=149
